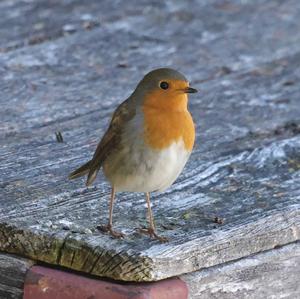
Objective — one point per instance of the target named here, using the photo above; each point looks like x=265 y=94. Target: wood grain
x=265 y=275
x=12 y=274
x=244 y=168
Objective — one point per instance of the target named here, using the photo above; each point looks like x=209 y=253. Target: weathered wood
x=256 y=190
x=244 y=169
x=215 y=22
x=12 y=275
x=272 y=274
x=79 y=70
x=25 y=23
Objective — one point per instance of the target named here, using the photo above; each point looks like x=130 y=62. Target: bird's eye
x=164 y=85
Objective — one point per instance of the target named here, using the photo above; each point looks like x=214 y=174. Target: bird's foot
x=108 y=229
x=151 y=232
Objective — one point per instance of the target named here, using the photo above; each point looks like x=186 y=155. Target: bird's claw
x=108 y=229
x=151 y=232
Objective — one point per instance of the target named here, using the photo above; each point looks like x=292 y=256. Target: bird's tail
x=82 y=170
x=88 y=169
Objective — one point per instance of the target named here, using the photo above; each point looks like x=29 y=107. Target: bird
x=147 y=144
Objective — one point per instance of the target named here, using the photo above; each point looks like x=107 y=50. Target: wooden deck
x=64 y=68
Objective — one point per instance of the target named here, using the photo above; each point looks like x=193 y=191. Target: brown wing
x=111 y=138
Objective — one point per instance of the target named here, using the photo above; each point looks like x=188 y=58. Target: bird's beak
x=190 y=90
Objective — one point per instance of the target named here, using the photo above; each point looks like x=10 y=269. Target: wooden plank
x=245 y=166
x=12 y=275
x=272 y=274
x=252 y=182
x=71 y=74
x=25 y=23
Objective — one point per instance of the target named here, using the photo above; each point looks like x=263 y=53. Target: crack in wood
x=96 y=261
x=60 y=250
x=108 y=263
x=72 y=259
x=133 y=270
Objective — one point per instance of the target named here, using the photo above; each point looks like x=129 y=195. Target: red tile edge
x=47 y=283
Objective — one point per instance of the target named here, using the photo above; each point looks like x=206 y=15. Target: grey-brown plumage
x=110 y=142
x=129 y=161
x=124 y=112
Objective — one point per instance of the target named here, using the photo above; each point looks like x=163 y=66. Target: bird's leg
x=108 y=227
x=151 y=229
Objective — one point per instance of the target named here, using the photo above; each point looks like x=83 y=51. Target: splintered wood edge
x=81 y=254
x=91 y=255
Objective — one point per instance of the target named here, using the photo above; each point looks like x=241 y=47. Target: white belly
x=140 y=169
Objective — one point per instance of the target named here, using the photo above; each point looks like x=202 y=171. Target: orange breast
x=164 y=126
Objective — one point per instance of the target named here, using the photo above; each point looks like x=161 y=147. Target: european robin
x=148 y=142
